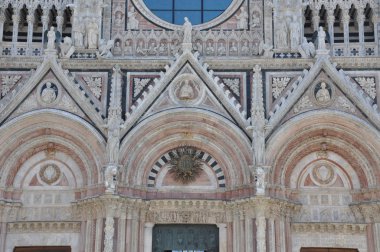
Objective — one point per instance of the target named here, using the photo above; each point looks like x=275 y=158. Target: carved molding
x=329 y=228
x=43 y=227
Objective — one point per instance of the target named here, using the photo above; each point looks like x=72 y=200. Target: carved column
x=346 y=29
x=59 y=19
x=30 y=19
x=272 y=236
x=89 y=234
x=121 y=236
x=330 y=24
x=148 y=236
x=360 y=20
x=135 y=232
x=109 y=231
x=282 y=234
x=315 y=19
x=222 y=237
x=248 y=234
x=3 y=234
x=261 y=233
x=376 y=236
x=15 y=20
x=98 y=234
x=236 y=232
x=128 y=234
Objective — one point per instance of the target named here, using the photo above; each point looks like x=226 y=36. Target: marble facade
x=264 y=122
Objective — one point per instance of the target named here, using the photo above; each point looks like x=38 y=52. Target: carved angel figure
x=105 y=49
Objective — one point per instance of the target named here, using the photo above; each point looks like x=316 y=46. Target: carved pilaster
x=115 y=123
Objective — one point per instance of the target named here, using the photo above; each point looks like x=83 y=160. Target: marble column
x=376 y=236
x=282 y=235
x=3 y=234
x=2 y=21
x=148 y=236
x=222 y=237
x=330 y=24
x=376 y=30
x=261 y=233
x=134 y=234
x=45 y=22
x=59 y=19
x=98 y=235
x=248 y=234
x=272 y=235
x=109 y=231
x=236 y=232
x=128 y=233
x=15 y=20
x=121 y=237
x=346 y=30
x=360 y=20
x=315 y=19
x=30 y=19
x=89 y=234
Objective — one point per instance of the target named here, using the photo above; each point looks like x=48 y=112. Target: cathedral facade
x=202 y=125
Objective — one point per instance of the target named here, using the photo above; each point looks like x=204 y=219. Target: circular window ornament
x=50 y=174
x=170 y=14
x=323 y=174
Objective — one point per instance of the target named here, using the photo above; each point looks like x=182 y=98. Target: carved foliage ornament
x=368 y=85
x=186 y=166
x=278 y=85
x=8 y=81
x=95 y=85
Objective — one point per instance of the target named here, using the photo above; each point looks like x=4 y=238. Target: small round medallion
x=323 y=93
x=50 y=173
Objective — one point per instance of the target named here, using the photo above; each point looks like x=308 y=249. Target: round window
x=198 y=11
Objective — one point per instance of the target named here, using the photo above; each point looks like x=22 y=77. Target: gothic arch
x=351 y=139
x=31 y=134
x=167 y=130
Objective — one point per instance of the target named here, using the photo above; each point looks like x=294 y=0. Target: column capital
x=149 y=224
x=221 y=225
x=15 y=18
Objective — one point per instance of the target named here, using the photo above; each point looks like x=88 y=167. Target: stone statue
x=233 y=47
x=255 y=19
x=323 y=95
x=282 y=35
x=295 y=31
x=118 y=19
x=78 y=34
x=210 y=48
x=48 y=95
x=245 y=48
x=110 y=178
x=307 y=49
x=186 y=92
x=187 y=28
x=133 y=23
x=67 y=48
x=260 y=180
x=221 y=49
x=321 y=39
x=242 y=19
x=266 y=50
x=51 y=38
x=105 y=49
x=92 y=33
x=117 y=48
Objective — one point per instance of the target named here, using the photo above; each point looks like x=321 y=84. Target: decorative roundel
x=48 y=93
x=323 y=93
x=323 y=174
x=198 y=11
x=186 y=90
x=50 y=174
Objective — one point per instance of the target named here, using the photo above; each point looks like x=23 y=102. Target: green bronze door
x=175 y=237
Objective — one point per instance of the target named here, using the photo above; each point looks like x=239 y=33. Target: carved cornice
x=43 y=227
x=329 y=228
x=367 y=211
